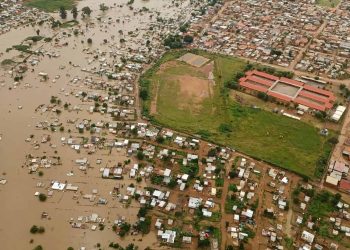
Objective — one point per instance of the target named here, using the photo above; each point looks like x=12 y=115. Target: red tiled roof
x=345 y=185
x=253 y=86
x=312 y=96
x=319 y=99
x=309 y=104
x=291 y=81
x=265 y=75
x=259 y=80
x=326 y=93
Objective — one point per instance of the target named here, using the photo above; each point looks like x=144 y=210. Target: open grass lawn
x=50 y=5
x=328 y=3
x=280 y=140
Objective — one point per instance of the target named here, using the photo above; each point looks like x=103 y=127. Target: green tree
x=86 y=11
x=188 y=39
x=144 y=94
x=42 y=197
x=75 y=12
x=63 y=12
x=140 y=155
x=34 y=229
x=103 y=7
x=160 y=139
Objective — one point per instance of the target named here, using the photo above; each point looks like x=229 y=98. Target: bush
x=42 y=197
x=140 y=156
x=34 y=229
x=142 y=212
x=204 y=243
x=333 y=140
x=172 y=184
x=124 y=229
x=173 y=42
x=160 y=139
x=188 y=39
x=144 y=226
x=225 y=128
x=263 y=96
x=144 y=94
x=233 y=188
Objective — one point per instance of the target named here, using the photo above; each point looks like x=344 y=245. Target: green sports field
x=50 y=5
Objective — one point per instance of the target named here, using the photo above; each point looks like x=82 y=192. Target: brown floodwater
x=19 y=208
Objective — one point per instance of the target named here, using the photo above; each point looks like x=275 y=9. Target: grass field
x=50 y=5
x=328 y=3
x=288 y=143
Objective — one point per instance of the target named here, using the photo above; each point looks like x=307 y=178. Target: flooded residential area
x=138 y=124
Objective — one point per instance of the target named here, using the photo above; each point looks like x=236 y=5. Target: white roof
x=194 y=202
x=249 y=213
x=167 y=172
x=58 y=186
x=309 y=237
x=332 y=180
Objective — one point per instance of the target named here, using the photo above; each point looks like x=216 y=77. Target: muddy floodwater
x=64 y=58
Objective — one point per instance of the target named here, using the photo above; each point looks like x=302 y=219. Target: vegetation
x=74 y=12
x=69 y=24
x=42 y=197
x=50 y=6
x=35 y=229
x=22 y=48
x=173 y=41
x=6 y=62
x=86 y=11
x=328 y=3
x=322 y=204
x=144 y=226
x=124 y=229
x=103 y=7
x=63 y=12
x=292 y=144
x=34 y=38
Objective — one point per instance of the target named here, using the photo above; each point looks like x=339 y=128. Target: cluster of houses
x=324 y=64
x=243 y=197
x=328 y=53
x=84 y=222
x=14 y=15
x=278 y=32
x=278 y=191
x=337 y=221
x=266 y=31
x=337 y=175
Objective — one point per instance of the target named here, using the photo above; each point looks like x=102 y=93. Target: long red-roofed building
x=288 y=90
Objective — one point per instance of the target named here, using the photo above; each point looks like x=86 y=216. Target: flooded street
x=63 y=68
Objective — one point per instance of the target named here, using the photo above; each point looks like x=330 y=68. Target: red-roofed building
x=344 y=185
x=291 y=82
x=287 y=90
